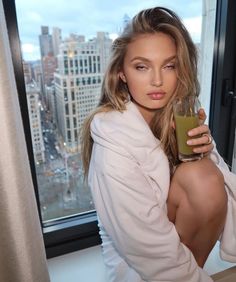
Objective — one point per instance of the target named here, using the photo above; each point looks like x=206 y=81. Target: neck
x=147 y=114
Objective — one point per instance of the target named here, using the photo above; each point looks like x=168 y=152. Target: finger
x=202 y=116
x=199 y=130
x=203 y=149
x=203 y=140
x=209 y=138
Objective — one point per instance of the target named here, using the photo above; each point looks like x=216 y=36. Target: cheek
x=133 y=88
x=172 y=82
x=175 y=83
x=135 y=82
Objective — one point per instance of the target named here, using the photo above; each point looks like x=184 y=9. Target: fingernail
x=189 y=142
x=190 y=133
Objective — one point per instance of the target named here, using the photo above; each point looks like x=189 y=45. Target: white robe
x=129 y=180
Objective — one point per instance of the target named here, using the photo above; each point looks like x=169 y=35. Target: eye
x=141 y=67
x=170 y=66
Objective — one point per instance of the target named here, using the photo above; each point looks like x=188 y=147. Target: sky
x=86 y=17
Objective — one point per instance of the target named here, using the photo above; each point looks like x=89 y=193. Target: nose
x=156 y=78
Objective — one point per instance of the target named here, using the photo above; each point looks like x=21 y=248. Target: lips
x=156 y=95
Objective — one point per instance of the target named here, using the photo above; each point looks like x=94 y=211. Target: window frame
x=222 y=118
x=63 y=235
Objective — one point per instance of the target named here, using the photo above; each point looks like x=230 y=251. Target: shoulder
x=128 y=134
x=129 y=123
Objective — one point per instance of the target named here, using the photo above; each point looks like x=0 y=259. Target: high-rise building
x=48 y=60
x=50 y=94
x=37 y=72
x=78 y=82
x=27 y=68
x=126 y=20
x=49 y=64
x=45 y=42
x=35 y=122
x=56 y=40
x=103 y=45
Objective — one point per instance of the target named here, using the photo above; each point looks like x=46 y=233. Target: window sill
x=73 y=234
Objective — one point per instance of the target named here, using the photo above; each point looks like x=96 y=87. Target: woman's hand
x=201 y=136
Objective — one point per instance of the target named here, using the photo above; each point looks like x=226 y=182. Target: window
x=65 y=204
x=223 y=104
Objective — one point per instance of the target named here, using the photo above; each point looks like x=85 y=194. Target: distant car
x=61 y=171
x=57 y=170
x=52 y=157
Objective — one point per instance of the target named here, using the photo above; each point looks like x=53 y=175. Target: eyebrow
x=147 y=60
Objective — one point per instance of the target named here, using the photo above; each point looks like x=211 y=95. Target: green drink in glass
x=186 y=118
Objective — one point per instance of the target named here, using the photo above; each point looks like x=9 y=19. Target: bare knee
x=202 y=184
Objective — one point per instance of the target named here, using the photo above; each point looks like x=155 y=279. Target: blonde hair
x=114 y=94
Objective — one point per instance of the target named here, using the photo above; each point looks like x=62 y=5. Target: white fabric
x=129 y=180
x=228 y=237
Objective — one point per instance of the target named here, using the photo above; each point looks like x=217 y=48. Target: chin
x=158 y=105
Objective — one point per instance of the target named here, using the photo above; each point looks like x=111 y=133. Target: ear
x=122 y=76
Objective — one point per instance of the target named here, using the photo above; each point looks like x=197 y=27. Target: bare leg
x=197 y=205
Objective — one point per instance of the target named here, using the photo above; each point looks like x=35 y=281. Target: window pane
x=64 y=58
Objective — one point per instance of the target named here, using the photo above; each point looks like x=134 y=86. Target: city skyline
x=103 y=16
x=59 y=99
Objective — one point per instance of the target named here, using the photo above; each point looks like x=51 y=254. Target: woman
x=158 y=219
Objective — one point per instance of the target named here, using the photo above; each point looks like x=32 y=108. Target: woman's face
x=150 y=72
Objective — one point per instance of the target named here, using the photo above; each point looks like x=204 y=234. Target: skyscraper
x=27 y=68
x=48 y=60
x=126 y=20
x=35 y=122
x=45 y=42
x=78 y=82
x=49 y=65
x=56 y=40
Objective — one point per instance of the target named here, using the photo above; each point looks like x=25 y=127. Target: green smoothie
x=183 y=125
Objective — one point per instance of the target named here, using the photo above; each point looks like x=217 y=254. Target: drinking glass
x=186 y=118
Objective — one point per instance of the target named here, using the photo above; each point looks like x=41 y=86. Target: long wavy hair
x=115 y=94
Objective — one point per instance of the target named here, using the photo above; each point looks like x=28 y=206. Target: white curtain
x=22 y=254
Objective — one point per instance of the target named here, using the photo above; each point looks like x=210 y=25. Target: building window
x=68 y=122
x=72 y=95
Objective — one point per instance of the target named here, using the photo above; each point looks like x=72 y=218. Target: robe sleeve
x=228 y=236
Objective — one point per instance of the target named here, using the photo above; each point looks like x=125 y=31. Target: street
x=62 y=190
